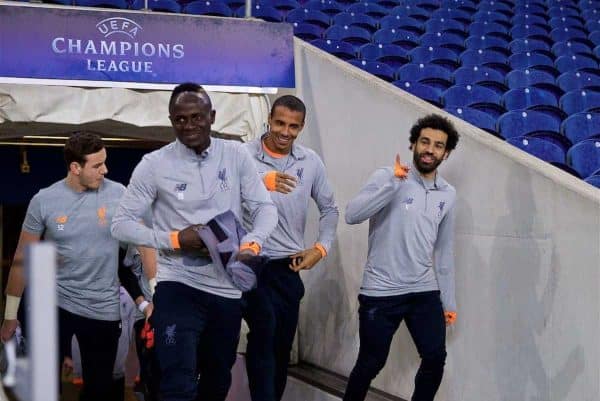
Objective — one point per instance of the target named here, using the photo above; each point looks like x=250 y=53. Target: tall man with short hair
x=186 y=184
x=75 y=213
x=293 y=174
x=409 y=273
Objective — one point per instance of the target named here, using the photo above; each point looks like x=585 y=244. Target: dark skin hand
x=284 y=183
x=305 y=260
x=189 y=240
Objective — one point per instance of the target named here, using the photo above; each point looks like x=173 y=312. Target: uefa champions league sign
x=141 y=50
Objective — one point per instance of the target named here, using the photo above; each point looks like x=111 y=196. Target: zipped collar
x=439 y=184
x=297 y=152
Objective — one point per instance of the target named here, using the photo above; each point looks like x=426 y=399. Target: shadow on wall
x=326 y=305
x=524 y=271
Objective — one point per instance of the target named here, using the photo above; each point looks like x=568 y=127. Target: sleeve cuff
x=251 y=246
x=174 y=237
x=270 y=180
x=321 y=249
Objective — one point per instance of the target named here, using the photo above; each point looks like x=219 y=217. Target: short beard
x=425 y=169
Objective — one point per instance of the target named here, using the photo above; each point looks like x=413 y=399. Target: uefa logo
x=118 y=25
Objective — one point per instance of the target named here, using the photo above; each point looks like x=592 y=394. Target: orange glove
x=147 y=335
x=450 y=318
x=400 y=170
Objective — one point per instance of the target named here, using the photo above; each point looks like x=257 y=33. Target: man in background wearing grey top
x=293 y=174
x=75 y=213
x=185 y=184
x=409 y=273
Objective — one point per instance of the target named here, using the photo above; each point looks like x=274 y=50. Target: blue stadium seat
x=482 y=57
x=435 y=55
x=169 y=6
x=593 y=25
x=528 y=59
x=567 y=33
x=593 y=180
x=416 y=72
x=360 y=20
x=528 y=19
x=329 y=7
x=546 y=68
x=551 y=88
x=566 y=22
x=392 y=55
x=574 y=62
x=524 y=31
x=351 y=34
x=442 y=24
x=485 y=27
x=371 y=9
x=498 y=87
x=529 y=8
x=266 y=13
x=464 y=95
x=380 y=70
x=522 y=122
x=428 y=5
x=494 y=110
x=580 y=126
x=338 y=48
x=307 y=32
x=282 y=5
x=494 y=6
x=556 y=138
x=543 y=149
x=208 y=7
x=597 y=51
x=527 y=77
x=552 y=111
x=314 y=17
x=425 y=92
x=389 y=4
x=400 y=37
x=410 y=11
x=476 y=42
x=400 y=22
x=451 y=13
x=474 y=116
x=584 y=157
x=563 y=11
x=589 y=5
x=577 y=100
x=522 y=98
x=459 y=4
x=528 y=45
x=579 y=79
x=234 y=4
x=595 y=38
x=475 y=74
x=119 y=4
x=563 y=48
x=448 y=40
x=439 y=83
x=491 y=16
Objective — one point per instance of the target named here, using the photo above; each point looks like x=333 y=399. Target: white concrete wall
x=527 y=251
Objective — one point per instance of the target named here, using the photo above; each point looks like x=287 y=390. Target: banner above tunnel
x=83 y=47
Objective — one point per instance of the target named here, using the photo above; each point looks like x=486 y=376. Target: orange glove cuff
x=270 y=180
x=400 y=170
x=174 y=237
x=450 y=317
x=321 y=249
x=252 y=246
